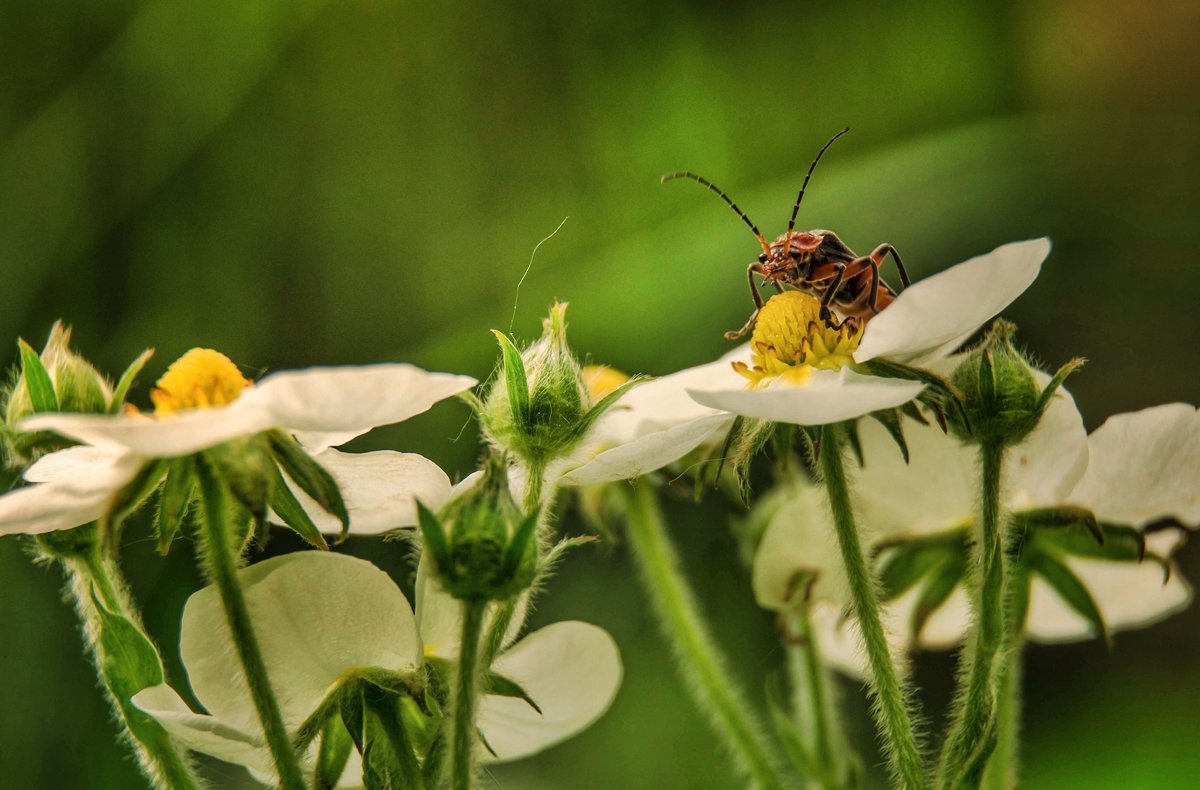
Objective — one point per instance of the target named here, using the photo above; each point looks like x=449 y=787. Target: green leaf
x=37 y=380
x=293 y=514
x=604 y=404
x=129 y=663
x=333 y=753
x=310 y=476
x=1069 y=589
x=127 y=379
x=177 y=493
x=515 y=380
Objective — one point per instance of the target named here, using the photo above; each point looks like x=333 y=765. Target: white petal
x=1145 y=465
x=933 y=492
x=799 y=537
x=826 y=397
x=326 y=407
x=380 y=489
x=934 y=316
x=316 y=615
x=572 y=670
x=648 y=451
x=66 y=502
x=1043 y=469
x=72 y=462
x=202 y=733
x=159 y=437
x=1129 y=595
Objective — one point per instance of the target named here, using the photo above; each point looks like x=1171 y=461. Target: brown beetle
x=816 y=262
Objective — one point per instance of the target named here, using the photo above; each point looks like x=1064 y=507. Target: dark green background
x=310 y=182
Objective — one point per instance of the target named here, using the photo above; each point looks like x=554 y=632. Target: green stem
x=972 y=734
x=891 y=710
x=813 y=701
x=466 y=697
x=1001 y=771
x=91 y=572
x=222 y=569
x=710 y=682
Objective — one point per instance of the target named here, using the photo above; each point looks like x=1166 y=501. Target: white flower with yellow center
x=323 y=619
x=203 y=401
x=1135 y=470
x=798 y=369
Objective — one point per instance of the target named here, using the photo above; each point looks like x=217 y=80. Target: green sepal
x=1018 y=600
x=503 y=687
x=38 y=383
x=937 y=590
x=520 y=544
x=126 y=381
x=1056 y=381
x=908 y=563
x=1068 y=587
x=515 y=381
x=388 y=759
x=293 y=514
x=436 y=541
x=853 y=439
x=1061 y=517
x=472 y=400
x=134 y=493
x=333 y=752
x=603 y=405
x=129 y=663
x=177 y=493
x=938 y=394
x=890 y=420
x=310 y=476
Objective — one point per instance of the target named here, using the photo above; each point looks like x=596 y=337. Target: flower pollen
x=790 y=339
x=201 y=378
x=601 y=380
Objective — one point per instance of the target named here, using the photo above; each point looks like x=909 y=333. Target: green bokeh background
x=300 y=182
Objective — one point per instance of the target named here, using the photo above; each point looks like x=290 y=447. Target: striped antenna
x=811 y=168
x=714 y=188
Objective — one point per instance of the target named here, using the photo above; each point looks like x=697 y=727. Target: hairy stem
x=1001 y=771
x=972 y=735
x=710 y=682
x=222 y=565
x=466 y=697
x=813 y=703
x=893 y=717
x=93 y=573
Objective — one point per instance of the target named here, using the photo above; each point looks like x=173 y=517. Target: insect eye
x=762 y=258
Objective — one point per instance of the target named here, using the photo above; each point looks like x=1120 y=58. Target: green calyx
x=1002 y=402
x=538 y=407
x=482 y=546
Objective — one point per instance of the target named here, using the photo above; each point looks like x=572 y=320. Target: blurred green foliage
x=305 y=182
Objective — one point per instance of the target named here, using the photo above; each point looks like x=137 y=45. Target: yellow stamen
x=199 y=379
x=601 y=380
x=790 y=340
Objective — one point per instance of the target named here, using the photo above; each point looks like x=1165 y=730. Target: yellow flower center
x=199 y=379
x=790 y=340
x=601 y=380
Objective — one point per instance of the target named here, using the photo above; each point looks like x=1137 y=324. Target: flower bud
x=1002 y=401
x=74 y=386
x=538 y=405
x=483 y=547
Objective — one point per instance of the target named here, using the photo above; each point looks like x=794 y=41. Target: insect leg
x=751 y=270
x=881 y=252
x=830 y=292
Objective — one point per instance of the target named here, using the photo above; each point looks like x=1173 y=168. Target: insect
x=816 y=262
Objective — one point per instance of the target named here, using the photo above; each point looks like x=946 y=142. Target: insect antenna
x=811 y=168
x=714 y=188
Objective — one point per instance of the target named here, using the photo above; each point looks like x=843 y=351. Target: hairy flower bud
x=482 y=545
x=1002 y=401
